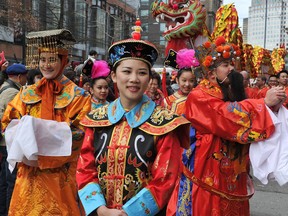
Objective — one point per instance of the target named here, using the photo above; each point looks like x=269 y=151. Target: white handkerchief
x=269 y=158
x=30 y=137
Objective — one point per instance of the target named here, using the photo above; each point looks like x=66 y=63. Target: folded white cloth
x=29 y=137
x=269 y=158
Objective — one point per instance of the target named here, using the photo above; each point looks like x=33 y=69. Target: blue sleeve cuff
x=143 y=203
x=91 y=197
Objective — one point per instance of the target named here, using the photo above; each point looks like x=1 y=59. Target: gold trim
x=54 y=49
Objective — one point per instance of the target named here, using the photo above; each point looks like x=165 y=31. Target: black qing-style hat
x=133 y=48
x=57 y=41
x=170 y=60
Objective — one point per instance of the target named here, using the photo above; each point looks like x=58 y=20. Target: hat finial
x=136 y=34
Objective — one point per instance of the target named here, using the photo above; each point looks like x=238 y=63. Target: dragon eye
x=183 y=5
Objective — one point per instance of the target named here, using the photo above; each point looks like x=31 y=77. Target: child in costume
x=99 y=86
x=186 y=80
x=130 y=156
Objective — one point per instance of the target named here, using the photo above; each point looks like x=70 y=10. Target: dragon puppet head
x=183 y=18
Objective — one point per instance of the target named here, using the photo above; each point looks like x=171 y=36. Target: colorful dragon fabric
x=277 y=59
x=226 y=25
x=247 y=55
x=185 y=21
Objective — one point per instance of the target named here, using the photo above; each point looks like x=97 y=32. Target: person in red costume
x=282 y=78
x=129 y=161
x=250 y=92
x=261 y=88
x=216 y=175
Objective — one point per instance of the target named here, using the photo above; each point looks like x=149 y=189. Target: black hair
x=282 y=71
x=31 y=75
x=3 y=77
x=234 y=91
x=180 y=72
x=156 y=76
x=69 y=73
x=272 y=76
x=263 y=78
x=93 y=81
x=85 y=79
x=93 y=52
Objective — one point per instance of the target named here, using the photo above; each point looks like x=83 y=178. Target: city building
x=96 y=24
x=211 y=8
x=245 y=30
x=268 y=23
x=153 y=31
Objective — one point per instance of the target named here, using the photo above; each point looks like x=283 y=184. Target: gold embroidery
x=160 y=114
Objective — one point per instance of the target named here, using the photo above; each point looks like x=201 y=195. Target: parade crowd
x=117 y=138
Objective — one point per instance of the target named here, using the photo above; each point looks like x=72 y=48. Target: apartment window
x=144 y=13
x=145 y=27
x=145 y=2
x=112 y=10
x=162 y=41
x=162 y=27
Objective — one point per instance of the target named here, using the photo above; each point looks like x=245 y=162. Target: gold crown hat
x=57 y=41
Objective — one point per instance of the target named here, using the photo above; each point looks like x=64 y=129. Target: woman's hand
x=104 y=211
x=275 y=96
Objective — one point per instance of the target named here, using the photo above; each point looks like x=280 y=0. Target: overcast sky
x=242 y=7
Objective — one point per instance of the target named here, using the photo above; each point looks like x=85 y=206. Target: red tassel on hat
x=164 y=86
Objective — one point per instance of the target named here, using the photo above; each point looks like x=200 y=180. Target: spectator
x=16 y=74
x=33 y=76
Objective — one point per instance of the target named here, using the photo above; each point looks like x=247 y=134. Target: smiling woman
x=129 y=159
x=46 y=179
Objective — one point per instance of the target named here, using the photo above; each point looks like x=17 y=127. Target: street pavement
x=269 y=200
